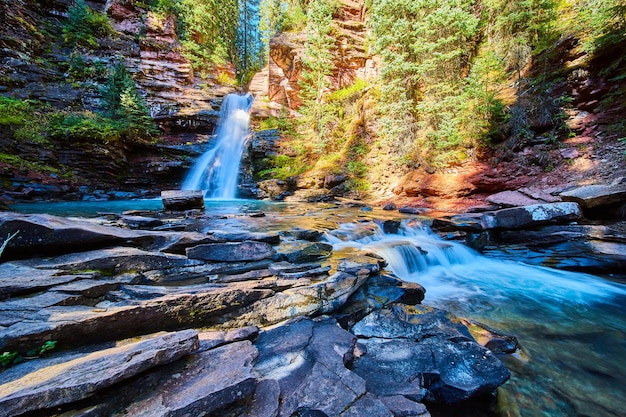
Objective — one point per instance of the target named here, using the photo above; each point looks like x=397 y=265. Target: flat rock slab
x=591 y=196
x=530 y=216
x=181 y=200
x=80 y=325
x=43 y=384
x=232 y=252
x=210 y=380
x=243 y=235
x=16 y=279
x=47 y=234
x=511 y=199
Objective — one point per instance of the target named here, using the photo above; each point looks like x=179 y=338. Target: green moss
x=24 y=164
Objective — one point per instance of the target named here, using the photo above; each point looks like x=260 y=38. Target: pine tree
x=317 y=60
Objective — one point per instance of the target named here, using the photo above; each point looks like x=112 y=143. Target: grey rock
x=182 y=241
x=308 y=360
x=210 y=381
x=232 y=252
x=17 y=278
x=304 y=234
x=181 y=200
x=80 y=325
x=424 y=356
x=212 y=339
x=240 y=236
x=410 y=210
x=140 y=222
x=53 y=235
x=79 y=377
x=511 y=199
x=265 y=400
x=368 y=405
x=531 y=216
x=401 y=406
x=591 y=196
x=413 y=322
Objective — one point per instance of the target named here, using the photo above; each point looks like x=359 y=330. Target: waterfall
x=217 y=170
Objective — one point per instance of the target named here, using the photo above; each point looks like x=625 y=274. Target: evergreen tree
x=83 y=25
x=123 y=103
x=317 y=59
x=426 y=47
x=250 y=55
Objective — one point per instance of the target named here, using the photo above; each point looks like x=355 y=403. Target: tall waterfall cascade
x=216 y=172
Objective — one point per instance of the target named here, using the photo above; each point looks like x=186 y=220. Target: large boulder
x=424 y=353
x=531 y=216
x=52 y=235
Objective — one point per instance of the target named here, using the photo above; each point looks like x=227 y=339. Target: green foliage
x=281 y=167
x=317 y=63
x=283 y=123
x=27 y=118
x=350 y=92
x=43 y=349
x=208 y=29
x=85 y=127
x=294 y=17
x=13 y=358
x=83 y=25
x=82 y=69
x=426 y=47
x=15 y=112
x=9 y=358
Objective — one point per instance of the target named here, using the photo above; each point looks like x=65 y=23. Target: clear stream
x=572 y=326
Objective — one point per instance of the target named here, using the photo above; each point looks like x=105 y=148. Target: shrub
x=84 y=127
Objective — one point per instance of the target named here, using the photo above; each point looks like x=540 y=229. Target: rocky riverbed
x=165 y=313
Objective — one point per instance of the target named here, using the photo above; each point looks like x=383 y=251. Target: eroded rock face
x=351 y=59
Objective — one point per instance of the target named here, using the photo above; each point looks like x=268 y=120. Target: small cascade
x=452 y=271
x=217 y=170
